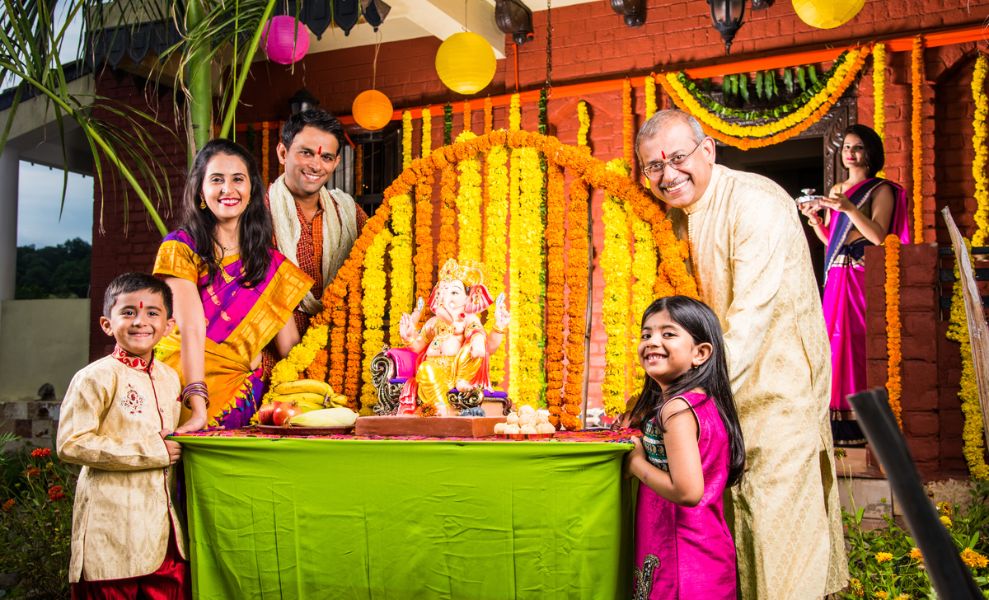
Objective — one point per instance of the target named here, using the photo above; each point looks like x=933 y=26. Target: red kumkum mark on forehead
x=319 y=150
x=663 y=154
x=140 y=304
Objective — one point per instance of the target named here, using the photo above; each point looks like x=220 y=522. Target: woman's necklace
x=226 y=251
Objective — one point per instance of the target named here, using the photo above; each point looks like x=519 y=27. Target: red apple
x=285 y=411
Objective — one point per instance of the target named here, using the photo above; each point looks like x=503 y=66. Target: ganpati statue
x=452 y=348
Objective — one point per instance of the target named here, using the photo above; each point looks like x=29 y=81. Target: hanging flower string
x=578 y=267
x=468 y=205
x=495 y=238
x=979 y=145
x=447 y=245
x=555 y=285
x=352 y=384
x=650 y=85
x=757 y=136
x=616 y=261
x=514 y=114
x=402 y=271
x=627 y=132
x=467 y=116
x=373 y=284
x=894 y=384
x=973 y=444
x=583 y=124
x=644 y=267
x=879 y=93
x=406 y=139
x=488 y=115
x=916 y=136
x=424 y=216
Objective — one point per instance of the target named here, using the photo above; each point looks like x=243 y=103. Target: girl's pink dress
x=686 y=552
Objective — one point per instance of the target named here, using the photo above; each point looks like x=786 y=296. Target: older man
x=314 y=227
x=753 y=268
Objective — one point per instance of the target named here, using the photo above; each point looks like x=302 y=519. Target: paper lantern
x=827 y=14
x=372 y=110
x=465 y=63
x=284 y=41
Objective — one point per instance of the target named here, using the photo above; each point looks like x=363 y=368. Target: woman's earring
x=202 y=203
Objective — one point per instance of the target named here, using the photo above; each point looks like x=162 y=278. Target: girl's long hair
x=255 y=228
x=700 y=322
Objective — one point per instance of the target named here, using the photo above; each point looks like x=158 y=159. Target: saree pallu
x=240 y=322
x=844 y=303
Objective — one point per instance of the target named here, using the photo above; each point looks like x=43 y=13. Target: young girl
x=691 y=450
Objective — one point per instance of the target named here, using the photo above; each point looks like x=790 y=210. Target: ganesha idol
x=452 y=349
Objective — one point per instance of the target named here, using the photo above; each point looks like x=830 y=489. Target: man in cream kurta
x=753 y=268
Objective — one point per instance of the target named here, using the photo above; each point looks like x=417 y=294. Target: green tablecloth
x=382 y=519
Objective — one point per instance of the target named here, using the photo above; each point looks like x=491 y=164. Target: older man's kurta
x=753 y=267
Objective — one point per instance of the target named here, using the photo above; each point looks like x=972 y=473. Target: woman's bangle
x=195 y=388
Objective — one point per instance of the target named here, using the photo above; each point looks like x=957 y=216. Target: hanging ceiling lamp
x=371 y=109
x=727 y=18
x=827 y=14
x=285 y=40
x=465 y=63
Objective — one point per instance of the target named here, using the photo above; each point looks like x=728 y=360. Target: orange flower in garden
x=916 y=554
x=55 y=493
x=973 y=559
x=9 y=505
x=32 y=472
x=41 y=453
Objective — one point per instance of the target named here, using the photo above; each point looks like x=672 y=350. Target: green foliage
x=36 y=492
x=60 y=271
x=884 y=562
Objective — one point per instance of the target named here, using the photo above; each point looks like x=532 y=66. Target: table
x=397 y=519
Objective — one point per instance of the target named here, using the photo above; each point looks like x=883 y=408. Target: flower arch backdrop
x=535 y=204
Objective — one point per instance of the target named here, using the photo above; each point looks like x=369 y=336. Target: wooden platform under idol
x=476 y=427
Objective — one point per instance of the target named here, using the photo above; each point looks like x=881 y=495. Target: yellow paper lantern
x=465 y=63
x=827 y=14
x=372 y=110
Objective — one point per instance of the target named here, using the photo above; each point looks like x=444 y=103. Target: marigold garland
x=644 y=267
x=514 y=114
x=495 y=238
x=555 y=284
x=916 y=136
x=402 y=269
x=774 y=132
x=467 y=117
x=352 y=384
x=583 y=123
x=446 y=247
x=406 y=139
x=427 y=132
x=423 y=258
x=373 y=284
x=527 y=279
x=894 y=383
x=879 y=93
x=973 y=442
x=615 y=262
x=488 y=115
x=576 y=276
x=627 y=127
x=650 y=84
x=979 y=144
x=468 y=205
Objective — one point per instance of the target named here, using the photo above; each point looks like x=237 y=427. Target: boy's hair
x=700 y=322
x=135 y=282
x=314 y=117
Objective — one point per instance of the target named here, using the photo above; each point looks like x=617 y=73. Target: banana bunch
x=327 y=417
x=308 y=394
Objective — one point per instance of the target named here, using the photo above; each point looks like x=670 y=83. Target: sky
x=38 y=203
x=40 y=188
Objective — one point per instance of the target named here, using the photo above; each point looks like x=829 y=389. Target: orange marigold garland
x=406 y=139
x=447 y=245
x=352 y=383
x=916 y=136
x=555 y=284
x=424 y=214
x=467 y=117
x=373 y=284
x=576 y=276
x=894 y=383
x=488 y=115
x=627 y=128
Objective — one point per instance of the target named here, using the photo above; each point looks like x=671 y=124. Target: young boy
x=126 y=537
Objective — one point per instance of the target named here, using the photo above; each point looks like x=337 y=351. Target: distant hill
x=60 y=271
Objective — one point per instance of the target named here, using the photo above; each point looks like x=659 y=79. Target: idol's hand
x=477 y=347
x=502 y=316
x=407 y=327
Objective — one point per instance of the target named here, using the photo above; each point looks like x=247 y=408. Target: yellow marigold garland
x=424 y=215
x=578 y=267
x=373 y=284
x=979 y=145
x=644 y=268
x=406 y=139
x=879 y=92
x=894 y=383
x=402 y=271
x=650 y=83
x=583 y=123
x=627 y=130
x=526 y=378
x=514 y=114
x=916 y=136
x=973 y=443
x=468 y=205
x=495 y=238
x=616 y=262
x=427 y=132
x=352 y=383
x=555 y=284
x=767 y=134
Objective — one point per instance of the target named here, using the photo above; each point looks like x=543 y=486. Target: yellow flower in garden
x=881 y=594
x=974 y=559
x=855 y=586
x=903 y=597
x=882 y=557
x=916 y=554
x=946 y=521
x=945 y=508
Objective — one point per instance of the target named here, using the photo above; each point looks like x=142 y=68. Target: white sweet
x=546 y=427
x=525 y=409
x=542 y=416
x=527 y=419
x=512 y=419
x=499 y=428
x=528 y=429
x=512 y=428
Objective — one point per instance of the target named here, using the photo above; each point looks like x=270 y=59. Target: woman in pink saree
x=860 y=211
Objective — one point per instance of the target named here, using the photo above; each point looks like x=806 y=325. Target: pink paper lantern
x=284 y=41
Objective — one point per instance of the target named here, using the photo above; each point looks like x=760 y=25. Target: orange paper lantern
x=372 y=110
